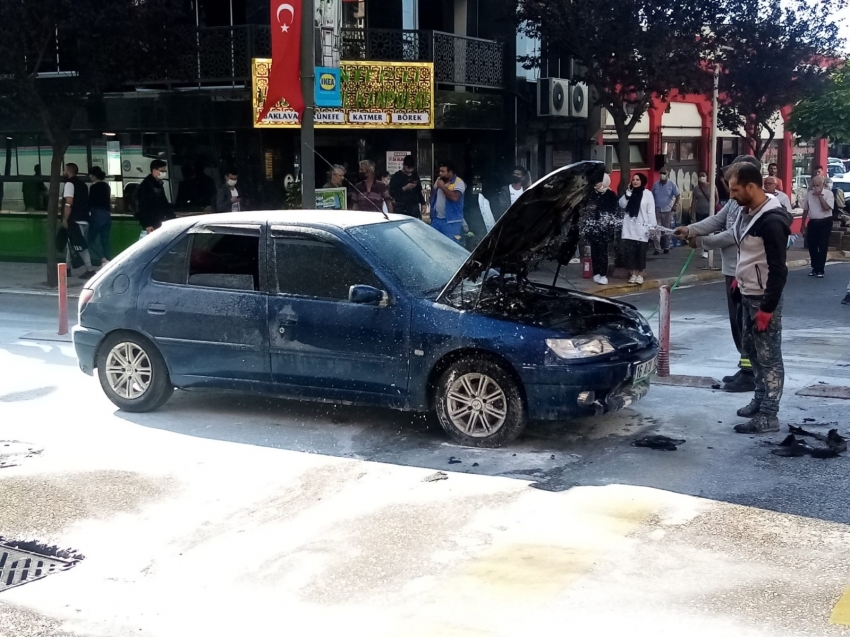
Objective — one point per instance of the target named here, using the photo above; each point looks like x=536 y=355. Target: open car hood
x=541 y=224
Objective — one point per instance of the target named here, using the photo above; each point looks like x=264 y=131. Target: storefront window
x=671 y=151
x=771 y=154
x=687 y=151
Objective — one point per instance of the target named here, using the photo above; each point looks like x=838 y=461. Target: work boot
x=762 y=423
x=744 y=383
x=733 y=377
x=750 y=410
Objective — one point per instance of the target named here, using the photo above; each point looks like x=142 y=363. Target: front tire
x=479 y=404
x=133 y=373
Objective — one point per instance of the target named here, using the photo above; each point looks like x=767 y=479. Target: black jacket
x=152 y=206
x=408 y=202
x=80 y=210
x=222 y=198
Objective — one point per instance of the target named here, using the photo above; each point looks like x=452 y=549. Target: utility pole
x=308 y=135
x=713 y=154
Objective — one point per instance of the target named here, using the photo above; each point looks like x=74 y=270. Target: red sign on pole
x=285 y=75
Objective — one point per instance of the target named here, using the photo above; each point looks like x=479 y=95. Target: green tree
x=58 y=57
x=629 y=51
x=772 y=55
x=826 y=114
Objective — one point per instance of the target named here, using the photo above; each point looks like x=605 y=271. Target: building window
x=637 y=154
x=531 y=47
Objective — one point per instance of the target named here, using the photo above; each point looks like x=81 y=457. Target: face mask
x=163 y=174
x=702 y=180
x=663 y=177
x=231 y=182
x=361 y=175
x=516 y=179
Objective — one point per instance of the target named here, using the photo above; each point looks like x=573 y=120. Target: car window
x=307 y=266
x=422 y=259
x=171 y=267
x=220 y=260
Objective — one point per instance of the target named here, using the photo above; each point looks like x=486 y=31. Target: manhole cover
x=21 y=565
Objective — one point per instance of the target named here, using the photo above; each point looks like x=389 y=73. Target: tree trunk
x=56 y=163
x=625 y=151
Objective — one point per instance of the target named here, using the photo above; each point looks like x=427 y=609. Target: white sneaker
x=575 y=260
x=633 y=279
x=596 y=278
x=639 y=280
x=704 y=254
x=603 y=280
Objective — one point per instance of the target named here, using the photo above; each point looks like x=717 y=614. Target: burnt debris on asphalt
x=662 y=443
x=794 y=447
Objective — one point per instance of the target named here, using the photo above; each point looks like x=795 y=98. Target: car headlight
x=582 y=347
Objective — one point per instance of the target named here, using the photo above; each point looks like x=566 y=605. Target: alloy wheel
x=128 y=370
x=477 y=406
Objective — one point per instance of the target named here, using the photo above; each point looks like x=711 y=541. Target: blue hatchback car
x=371 y=309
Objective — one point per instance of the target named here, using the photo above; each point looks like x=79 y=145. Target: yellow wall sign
x=374 y=95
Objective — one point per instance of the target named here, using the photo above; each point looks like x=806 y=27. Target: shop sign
x=328 y=93
x=331 y=199
x=374 y=95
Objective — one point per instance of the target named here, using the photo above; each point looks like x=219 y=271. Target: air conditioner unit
x=579 y=98
x=552 y=97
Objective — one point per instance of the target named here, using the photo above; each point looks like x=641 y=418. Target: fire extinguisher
x=586 y=264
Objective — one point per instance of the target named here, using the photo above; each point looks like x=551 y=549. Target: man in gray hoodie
x=702 y=236
x=761 y=234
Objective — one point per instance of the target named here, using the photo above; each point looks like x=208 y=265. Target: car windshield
x=420 y=258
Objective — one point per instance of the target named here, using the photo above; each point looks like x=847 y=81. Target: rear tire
x=479 y=403
x=133 y=373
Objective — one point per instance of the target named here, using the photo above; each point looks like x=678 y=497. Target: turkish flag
x=285 y=72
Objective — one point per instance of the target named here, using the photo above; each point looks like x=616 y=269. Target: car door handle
x=156 y=308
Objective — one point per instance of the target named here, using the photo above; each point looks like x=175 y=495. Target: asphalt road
x=264 y=508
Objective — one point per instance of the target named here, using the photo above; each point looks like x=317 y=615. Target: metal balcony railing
x=221 y=56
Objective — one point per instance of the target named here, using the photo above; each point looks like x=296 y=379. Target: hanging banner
x=283 y=85
x=374 y=95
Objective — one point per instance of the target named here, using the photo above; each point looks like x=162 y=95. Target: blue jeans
x=99 y=229
x=452 y=230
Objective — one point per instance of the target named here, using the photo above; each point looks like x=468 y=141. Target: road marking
x=841 y=612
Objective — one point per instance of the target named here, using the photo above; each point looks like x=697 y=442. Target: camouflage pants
x=764 y=349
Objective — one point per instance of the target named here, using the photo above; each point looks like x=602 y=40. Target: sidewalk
x=664 y=269
x=31 y=278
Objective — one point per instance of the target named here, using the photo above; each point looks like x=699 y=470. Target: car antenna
x=330 y=165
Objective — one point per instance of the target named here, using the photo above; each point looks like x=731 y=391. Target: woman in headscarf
x=600 y=227
x=638 y=222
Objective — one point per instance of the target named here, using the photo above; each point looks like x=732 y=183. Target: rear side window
x=314 y=268
x=171 y=267
x=229 y=261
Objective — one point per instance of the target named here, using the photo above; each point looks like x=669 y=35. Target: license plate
x=646 y=369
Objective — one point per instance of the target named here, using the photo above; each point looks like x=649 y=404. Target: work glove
x=763 y=320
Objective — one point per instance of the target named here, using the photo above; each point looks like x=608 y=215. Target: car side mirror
x=367 y=295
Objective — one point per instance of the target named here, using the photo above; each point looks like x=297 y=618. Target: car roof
x=342 y=219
